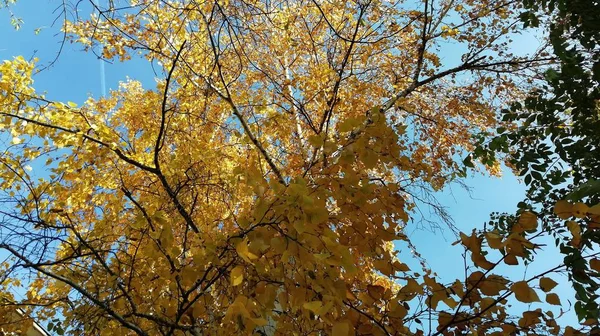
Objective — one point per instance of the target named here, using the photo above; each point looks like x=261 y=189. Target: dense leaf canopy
x=266 y=182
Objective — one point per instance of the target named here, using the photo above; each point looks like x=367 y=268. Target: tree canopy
x=556 y=146
x=265 y=184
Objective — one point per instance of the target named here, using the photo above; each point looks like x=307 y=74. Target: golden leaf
x=376 y=292
x=340 y=329
x=524 y=293
x=237 y=275
x=259 y=322
x=410 y=290
x=580 y=210
x=400 y=267
x=547 y=284
x=480 y=261
x=527 y=221
x=493 y=285
x=530 y=318
x=261 y=147
x=396 y=310
x=242 y=250
x=313 y=306
x=494 y=240
x=575 y=230
x=563 y=209
x=383 y=266
x=473 y=244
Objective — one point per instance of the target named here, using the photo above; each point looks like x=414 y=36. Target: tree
x=259 y=187
x=556 y=146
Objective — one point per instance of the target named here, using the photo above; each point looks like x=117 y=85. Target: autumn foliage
x=266 y=183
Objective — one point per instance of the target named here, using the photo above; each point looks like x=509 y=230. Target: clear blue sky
x=76 y=75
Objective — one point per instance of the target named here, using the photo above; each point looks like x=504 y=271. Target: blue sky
x=76 y=75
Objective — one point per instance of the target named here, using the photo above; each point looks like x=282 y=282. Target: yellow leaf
x=138 y=223
x=553 y=299
x=199 y=309
x=340 y=329
x=166 y=236
x=315 y=140
x=480 y=261
x=155 y=234
x=242 y=250
x=530 y=318
x=348 y=124
x=260 y=322
x=527 y=221
x=475 y=278
x=494 y=240
x=524 y=293
x=575 y=230
x=580 y=210
x=547 y=284
x=313 y=306
x=400 y=267
x=237 y=308
x=595 y=210
x=325 y=308
x=384 y=267
x=473 y=244
x=376 y=292
x=322 y=256
x=493 y=285
x=412 y=287
x=299 y=226
x=410 y=290
x=396 y=310
x=563 y=209
x=237 y=275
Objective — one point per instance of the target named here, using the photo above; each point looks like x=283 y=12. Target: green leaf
x=468 y=161
x=586 y=189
